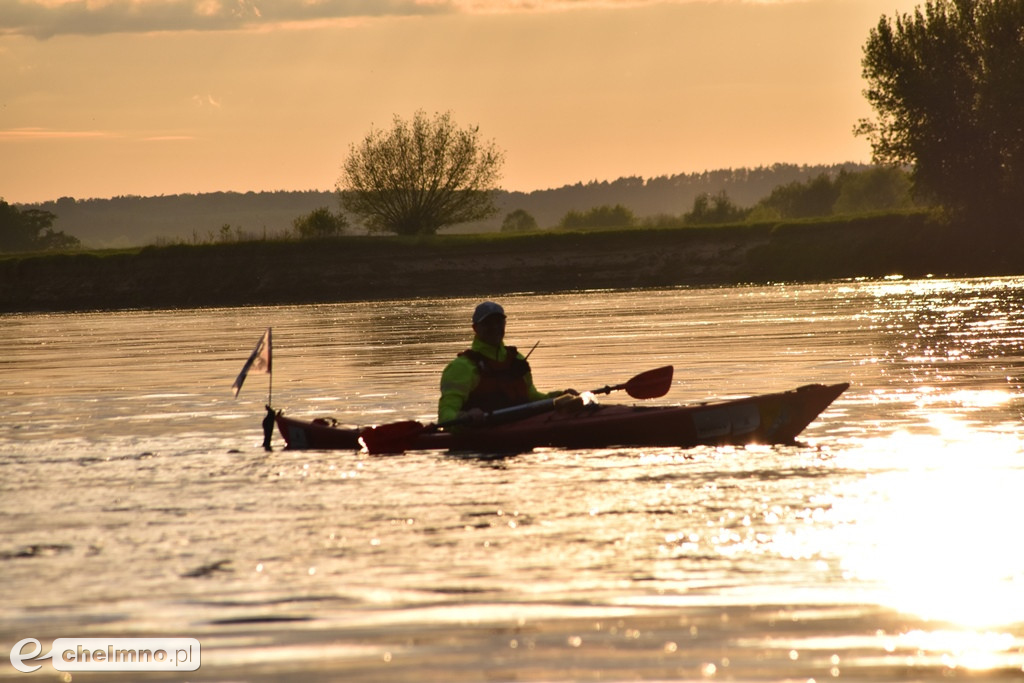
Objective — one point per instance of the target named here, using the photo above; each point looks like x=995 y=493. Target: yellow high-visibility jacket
x=461 y=377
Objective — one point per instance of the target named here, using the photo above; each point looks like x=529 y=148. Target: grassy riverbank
x=365 y=268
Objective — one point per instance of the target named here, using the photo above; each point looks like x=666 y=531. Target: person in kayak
x=488 y=375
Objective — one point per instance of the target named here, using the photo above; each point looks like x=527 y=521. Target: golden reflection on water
x=937 y=537
x=932 y=528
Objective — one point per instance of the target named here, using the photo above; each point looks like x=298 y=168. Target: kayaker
x=488 y=375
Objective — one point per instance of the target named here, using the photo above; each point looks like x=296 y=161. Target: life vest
x=502 y=383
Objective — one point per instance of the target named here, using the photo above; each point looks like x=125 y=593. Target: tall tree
x=421 y=175
x=947 y=85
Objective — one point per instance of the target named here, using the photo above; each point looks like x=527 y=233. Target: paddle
x=398 y=437
x=649 y=384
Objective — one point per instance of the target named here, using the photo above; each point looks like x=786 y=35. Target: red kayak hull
x=764 y=419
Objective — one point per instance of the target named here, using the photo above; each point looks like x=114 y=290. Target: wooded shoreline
x=381 y=268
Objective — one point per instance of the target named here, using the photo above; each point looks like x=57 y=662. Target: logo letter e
x=17 y=657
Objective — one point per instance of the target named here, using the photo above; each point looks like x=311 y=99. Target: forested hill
x=189 y=218
x=138 y=221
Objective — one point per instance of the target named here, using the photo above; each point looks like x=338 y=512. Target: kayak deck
x=776 y=418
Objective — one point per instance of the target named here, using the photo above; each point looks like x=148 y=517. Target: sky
x=104 y=98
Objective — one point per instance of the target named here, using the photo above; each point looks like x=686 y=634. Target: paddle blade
x=650 y=384
x=396 y=437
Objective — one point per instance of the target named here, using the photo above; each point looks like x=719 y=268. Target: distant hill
x=138 y=221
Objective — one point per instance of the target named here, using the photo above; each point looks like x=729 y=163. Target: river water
x=135 y=499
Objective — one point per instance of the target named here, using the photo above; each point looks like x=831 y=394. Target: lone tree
x=420 y=176
x=947 y=85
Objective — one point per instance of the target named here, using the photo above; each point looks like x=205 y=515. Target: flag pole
x=270 y=368
x=260 y=361
x=268 y=420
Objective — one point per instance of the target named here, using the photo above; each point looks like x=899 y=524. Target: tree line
x=946 y=83
x=786 y=192
x=216 y=217
x=847 y=193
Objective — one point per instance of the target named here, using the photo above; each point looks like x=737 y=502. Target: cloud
x=39 y=134
x=33 y=134
x=47 y=18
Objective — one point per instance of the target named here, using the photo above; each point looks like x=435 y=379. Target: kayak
x=762 y=419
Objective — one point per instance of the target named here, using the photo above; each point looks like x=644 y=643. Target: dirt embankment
x=370 y=268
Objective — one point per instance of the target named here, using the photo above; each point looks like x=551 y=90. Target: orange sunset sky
x=101 y=98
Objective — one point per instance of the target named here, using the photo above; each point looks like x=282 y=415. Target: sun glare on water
x=932 y=530
x=939 y=537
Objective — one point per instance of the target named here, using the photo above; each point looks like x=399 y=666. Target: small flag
x=259 y=362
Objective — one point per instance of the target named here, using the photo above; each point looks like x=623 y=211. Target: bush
x=320 y=223
x=616 y=216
